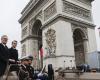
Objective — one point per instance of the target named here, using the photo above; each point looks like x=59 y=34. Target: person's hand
x=11 y=60
x=18 y=62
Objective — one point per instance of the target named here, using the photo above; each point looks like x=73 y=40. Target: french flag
x=41 y=51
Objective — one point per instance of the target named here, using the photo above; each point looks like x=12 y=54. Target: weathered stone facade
x=64 y=27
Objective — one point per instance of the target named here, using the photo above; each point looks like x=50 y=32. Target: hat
x=25 y=58
x=30 y=57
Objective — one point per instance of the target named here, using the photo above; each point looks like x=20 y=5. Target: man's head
x=30 y=60
x=14 y=43
x=4 y=39
x=24 y=61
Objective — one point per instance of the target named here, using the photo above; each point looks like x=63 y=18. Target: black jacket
x=30 y=70
x=23 y=73
x=13 y=54
x=4 y=56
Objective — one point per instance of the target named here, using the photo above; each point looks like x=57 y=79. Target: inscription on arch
x=24 y=31
x=24 y=50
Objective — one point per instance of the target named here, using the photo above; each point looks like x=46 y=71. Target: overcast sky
x=96 y=17
x=10 y=13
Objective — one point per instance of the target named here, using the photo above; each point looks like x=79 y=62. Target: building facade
x=65 y=28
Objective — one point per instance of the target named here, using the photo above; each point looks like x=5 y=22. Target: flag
x=41 y=51
x=41 y=56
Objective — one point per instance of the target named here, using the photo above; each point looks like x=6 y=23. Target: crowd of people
x=24 y=70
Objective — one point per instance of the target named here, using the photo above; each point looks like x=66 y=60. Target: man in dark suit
x=13 y=56
x=13 y=52
x=4 y=55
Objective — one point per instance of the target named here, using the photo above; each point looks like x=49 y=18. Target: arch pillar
x=35 y=40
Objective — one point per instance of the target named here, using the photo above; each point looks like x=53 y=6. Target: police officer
x=23 y=72
x=30 y=68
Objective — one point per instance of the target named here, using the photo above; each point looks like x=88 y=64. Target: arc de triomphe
x=64 y=27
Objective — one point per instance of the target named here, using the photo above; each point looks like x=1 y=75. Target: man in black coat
x=13 y=51
x=4 y=54
x=13 y=56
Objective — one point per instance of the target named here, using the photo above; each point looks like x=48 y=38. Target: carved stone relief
x=39 y=15
x=50 y=11
x=24 y=31
x=24 y=50
x=75 y=10
x=31 y=23
x=50 y=42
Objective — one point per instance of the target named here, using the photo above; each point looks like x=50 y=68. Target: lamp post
x=99 y=38
x=99 y=31
x=71 y=63
x=99 y=46
x=64 y=64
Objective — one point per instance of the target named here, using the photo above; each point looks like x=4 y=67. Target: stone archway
x=79 y=48
x=37 y=34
